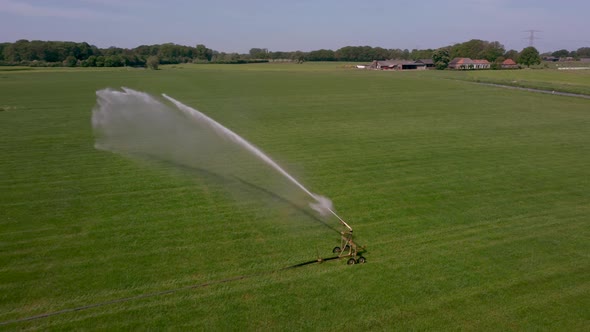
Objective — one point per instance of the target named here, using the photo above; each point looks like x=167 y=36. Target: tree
x=168 y=53
x=477 y=49
x=203 y=53
x=561 y=53
x=2 y=47
x=498 y=63
x=11 y=53
x=280 y=55
x=152 y=62
x=91 y=61
x=321 y=55
x=131 y=59
x=362 y=53
x=70 y=61
x=298 y=56
x=492 y=51
x=529 y=56
x=406 y=54
x=395 y=54
x=441 y=58
x=113 y=61
x=421 y=54
x=346 y=53
x=85 y=51
x=146 y=50
x=511 y=54
x=469 y=49
x=100 y=61
x=258 y=53
x=380 y=53
x=583 y=52
x=57 y=52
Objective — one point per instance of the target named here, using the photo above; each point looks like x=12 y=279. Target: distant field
x=14 y=68
x=472 y=202
x=574 y=81
x=558 y=64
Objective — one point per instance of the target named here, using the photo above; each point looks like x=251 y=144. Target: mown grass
x=471 y=200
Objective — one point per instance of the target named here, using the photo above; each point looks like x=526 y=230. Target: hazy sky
x=237 y=26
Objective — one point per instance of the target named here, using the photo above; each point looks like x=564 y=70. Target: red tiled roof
x=461 y=61
x=508 y=62
x=468 y=61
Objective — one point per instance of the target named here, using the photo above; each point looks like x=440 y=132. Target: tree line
x=473 y=48
x=60 y=53
x=582 y=52
x=70 y=54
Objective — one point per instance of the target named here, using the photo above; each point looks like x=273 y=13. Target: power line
x=532 y=36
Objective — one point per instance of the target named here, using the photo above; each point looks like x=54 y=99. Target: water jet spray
x=133 y=122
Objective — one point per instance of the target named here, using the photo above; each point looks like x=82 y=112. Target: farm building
x=460 y=63
x=467 y=63
x=397 y=65
x=482 y=64
x=382 y=64
x=429 y=63
x=509 y=64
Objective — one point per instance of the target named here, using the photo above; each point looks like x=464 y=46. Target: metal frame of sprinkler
x=347 y=246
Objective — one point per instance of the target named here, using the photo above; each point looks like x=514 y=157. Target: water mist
x=130 y=122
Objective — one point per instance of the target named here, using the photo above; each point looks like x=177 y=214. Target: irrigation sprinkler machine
x=348 y=249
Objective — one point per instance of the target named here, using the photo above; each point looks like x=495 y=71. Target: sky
x=238 y=26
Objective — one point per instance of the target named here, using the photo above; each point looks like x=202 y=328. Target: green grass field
x=473 y=203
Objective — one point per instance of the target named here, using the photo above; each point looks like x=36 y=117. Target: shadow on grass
x=230 y=181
